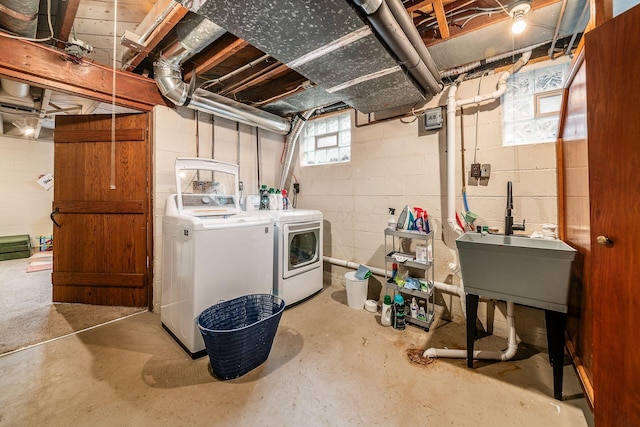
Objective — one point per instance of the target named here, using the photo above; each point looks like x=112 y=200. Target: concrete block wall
x=392 y=166
x=25 y=205
x=177 y=133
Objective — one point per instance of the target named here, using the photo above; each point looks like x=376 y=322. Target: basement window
x=327 y=140
x=531 y=105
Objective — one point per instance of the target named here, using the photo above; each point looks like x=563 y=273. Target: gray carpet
x=29 y=317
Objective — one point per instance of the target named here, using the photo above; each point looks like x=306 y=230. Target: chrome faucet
x=509 y=226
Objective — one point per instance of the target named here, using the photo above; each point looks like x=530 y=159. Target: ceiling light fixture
x=518 y=11
x=24 y=126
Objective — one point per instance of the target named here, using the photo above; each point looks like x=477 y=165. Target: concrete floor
x=330 y=365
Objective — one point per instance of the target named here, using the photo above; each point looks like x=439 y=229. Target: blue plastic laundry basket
x=238 y=333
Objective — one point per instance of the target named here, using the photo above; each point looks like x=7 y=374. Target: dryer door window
x=303 y=251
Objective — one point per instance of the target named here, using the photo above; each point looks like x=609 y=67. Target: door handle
x=604 y=241
x=55 y=211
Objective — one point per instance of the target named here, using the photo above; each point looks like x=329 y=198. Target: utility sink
x=533 y=272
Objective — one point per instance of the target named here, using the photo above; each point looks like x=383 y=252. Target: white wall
x=175 y=133
x=392 y=166
x=24 y=204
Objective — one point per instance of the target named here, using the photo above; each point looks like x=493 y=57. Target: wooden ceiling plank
x=214 y=55
x=415 y=5
x=252 y=81
x=159 y=33
x=65 y=16
x=442 y=19
x=46 y=67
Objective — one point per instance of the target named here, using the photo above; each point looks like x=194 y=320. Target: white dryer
x=212 y=251
x=298 y=250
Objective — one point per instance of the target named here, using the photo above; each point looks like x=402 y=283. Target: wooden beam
x=414 y=5
x=48 y=68
x=601 y=11
x=216 y=53
x=164 y=27
x=257 y=80
x=438 y=8
x=65 y=16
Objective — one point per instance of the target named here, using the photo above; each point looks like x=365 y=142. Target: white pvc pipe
x=507 y=354
x=452 y=106
x=352 y=265
x=444 y=287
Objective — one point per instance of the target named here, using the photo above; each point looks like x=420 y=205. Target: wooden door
x=102 y=204
x=613 y=117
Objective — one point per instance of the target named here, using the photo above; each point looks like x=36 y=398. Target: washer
x=212 y=251
x=298 y=250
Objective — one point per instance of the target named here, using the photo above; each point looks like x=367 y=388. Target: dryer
x=212 y=251
x=298 y=250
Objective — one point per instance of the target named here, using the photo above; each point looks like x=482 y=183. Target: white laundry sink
x=533 y=272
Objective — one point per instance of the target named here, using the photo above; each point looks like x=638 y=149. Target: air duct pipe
x=382 y=18
x=193 y=36
x=290 y=143
x=20 y=16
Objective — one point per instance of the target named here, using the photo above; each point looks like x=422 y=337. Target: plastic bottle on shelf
x=273 y=200
x=385 y=319
x=391 y=224
x=279 y=199
x=264 y=198
x=398 y=312
x=414 y=308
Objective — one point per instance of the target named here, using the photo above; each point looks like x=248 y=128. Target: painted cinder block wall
x=25 y=205
x=392 y=166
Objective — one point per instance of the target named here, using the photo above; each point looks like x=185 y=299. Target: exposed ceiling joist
x=49 y=68
x=228 y=46
x=438 y=8
x=65 y=16
x=160 y=20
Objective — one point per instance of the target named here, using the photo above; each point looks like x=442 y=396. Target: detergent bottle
x=385 y=319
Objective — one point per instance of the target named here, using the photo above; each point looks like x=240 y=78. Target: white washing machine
x=212 y=251
x=298 y=251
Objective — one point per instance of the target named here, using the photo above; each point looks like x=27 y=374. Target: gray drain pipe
x=193 y=36
x=403 y=39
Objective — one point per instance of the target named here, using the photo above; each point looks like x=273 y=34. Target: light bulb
x=519 y=24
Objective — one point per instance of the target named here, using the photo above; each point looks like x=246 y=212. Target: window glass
x=531 y=105
x=326 y=140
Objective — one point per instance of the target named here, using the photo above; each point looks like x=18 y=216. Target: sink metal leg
x=472 y=314
x=556 y=322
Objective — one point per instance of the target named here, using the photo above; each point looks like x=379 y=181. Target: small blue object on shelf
x=238 y=333
x=362 y=272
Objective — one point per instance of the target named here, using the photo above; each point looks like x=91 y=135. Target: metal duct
x=326 y=41
x=194 y=35
x=394 y=35
x=20 y=16
x=290 y=145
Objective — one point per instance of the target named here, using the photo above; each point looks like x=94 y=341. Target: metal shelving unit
x=393 y=237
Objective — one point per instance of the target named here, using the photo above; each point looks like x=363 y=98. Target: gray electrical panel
x=433 y=119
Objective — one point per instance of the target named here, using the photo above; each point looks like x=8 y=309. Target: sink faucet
x=509 y=226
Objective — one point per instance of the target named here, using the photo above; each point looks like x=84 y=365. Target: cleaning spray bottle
x=419 y=221
x=414 y=308
x=392 y=219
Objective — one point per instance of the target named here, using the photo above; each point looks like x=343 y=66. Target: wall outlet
x=475 y=170
x=296 y=187
x=485 y=171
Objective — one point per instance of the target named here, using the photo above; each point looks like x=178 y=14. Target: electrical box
x=485 y=171
x=433 y=119
x=475 y=170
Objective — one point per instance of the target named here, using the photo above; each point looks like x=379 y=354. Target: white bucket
x=356 y=290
